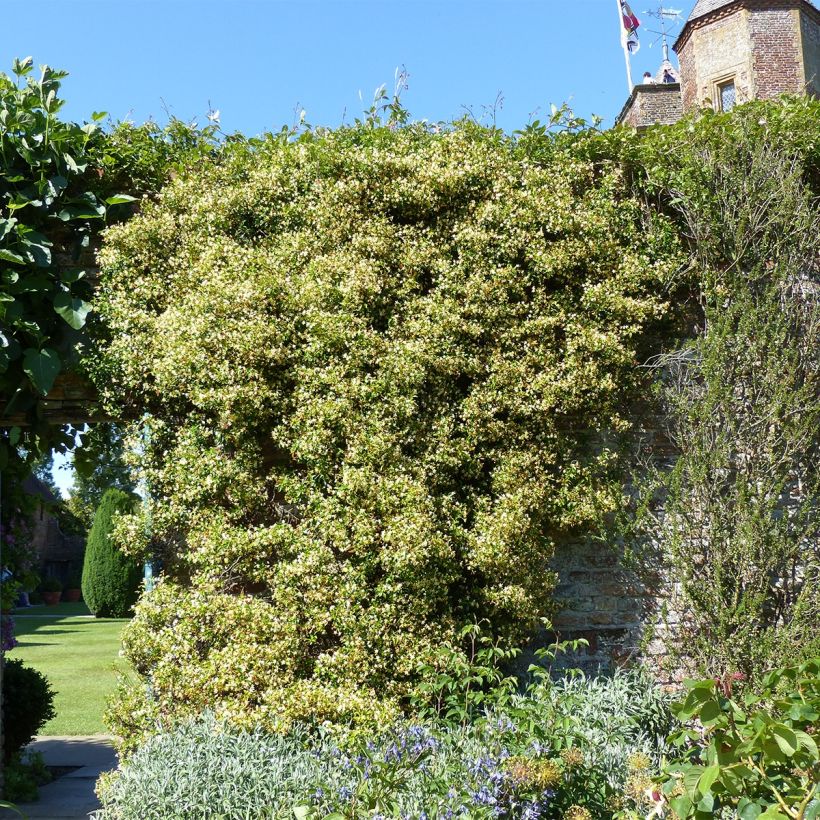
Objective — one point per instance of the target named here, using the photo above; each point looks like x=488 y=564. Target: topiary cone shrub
x=111 y=580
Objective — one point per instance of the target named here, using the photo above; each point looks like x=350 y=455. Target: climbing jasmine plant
x=386 y=369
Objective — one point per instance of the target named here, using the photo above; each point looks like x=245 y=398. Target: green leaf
x=8 y=256
x=771 y=748
x=773 y=813
x=807 y=742
x=72 y=275
x=6 y=226
x=301 y=812
x=705 y=807
x=786 y=739
x=14 y=435
x=40 y=253
x=682 y=805
x=747 y=810
x=42 y=367
x=711 y=711
x=812 y=810
x=691 y=780
x=120 y=199
x=706 y=780
x=73 y=310
x=82 y=207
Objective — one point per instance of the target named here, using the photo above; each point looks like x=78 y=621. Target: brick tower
x=732 y=51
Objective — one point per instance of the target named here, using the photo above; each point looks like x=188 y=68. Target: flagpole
x=624 y=46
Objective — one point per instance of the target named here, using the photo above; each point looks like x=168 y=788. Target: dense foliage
x=49 y=210
x=569 y=749
x=99 y=464
x=737 y=514
x=21 y=777
x=61 y=184
x=386 y=370
x=755 y=756
x=27 y=705
x=111 y=580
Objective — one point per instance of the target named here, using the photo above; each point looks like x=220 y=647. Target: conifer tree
x=111 y=579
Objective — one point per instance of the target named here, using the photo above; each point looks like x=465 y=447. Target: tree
x=99 y=464
x=111 y=580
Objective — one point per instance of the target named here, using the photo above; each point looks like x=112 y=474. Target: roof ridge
x=704 y=7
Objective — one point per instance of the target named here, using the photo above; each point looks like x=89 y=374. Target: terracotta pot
x=51 y=598
x=71 y=596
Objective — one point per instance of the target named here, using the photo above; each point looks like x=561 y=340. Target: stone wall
x=810 y=32
x=717 y=49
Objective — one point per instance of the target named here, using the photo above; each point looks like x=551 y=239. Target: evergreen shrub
x=386 y=369
x=27 y=705
x=111 y=580
x=733 y=518
x=754 y=756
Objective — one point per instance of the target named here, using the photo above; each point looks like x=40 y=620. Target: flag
x=629 y=34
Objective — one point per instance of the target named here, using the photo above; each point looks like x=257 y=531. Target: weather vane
x=668 y=19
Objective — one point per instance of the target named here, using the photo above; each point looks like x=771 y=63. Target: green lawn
x=78 y=654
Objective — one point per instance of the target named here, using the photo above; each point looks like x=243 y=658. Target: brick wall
x=768 y=47
x=688 y=78
x=718 y=48
x=603 y=601
x=810 y=31
x=776 y=48
x=651 y=105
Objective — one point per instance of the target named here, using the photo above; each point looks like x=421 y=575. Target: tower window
x=728 y=95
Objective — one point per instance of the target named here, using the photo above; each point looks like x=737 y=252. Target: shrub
x=111 y=579
x=366 y=355
x=205 y=764
x=542 y=759
x=27 y=705
x=735 y=516
x=755 y=756
x=22 y=775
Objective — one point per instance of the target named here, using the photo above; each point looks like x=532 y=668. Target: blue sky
x=257 y=60
x=261 y=61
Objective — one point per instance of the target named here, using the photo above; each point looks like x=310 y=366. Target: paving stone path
x=71 y=796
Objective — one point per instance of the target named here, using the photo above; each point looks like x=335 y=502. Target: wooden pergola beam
x=73 y=400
